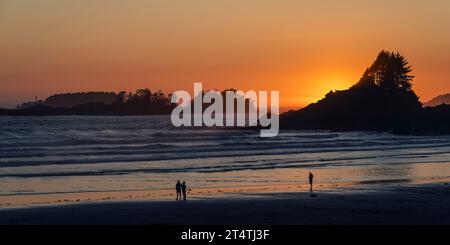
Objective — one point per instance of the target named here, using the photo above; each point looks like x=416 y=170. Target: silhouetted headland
x=382 y=100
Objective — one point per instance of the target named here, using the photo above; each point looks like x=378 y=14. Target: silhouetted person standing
x=183 y=188
x=178 y=188
x=311 y=179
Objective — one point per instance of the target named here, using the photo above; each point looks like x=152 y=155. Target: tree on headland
x=390 y=70
x=382 y=100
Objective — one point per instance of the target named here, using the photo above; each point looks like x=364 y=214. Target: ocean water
x=76 y=154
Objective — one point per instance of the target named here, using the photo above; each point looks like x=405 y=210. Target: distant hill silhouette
x=142 y=102
x=439 y=100
x=69 y=100
x=383 y=100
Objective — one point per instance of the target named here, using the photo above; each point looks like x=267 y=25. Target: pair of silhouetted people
x=181 y=189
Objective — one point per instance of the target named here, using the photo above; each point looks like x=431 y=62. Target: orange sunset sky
x=301 y=48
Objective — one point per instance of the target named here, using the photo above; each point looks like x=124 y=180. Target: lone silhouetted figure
x=311 y=179
x=183 y=188
x=178 y=188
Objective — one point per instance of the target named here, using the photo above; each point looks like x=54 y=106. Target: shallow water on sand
x=74 y=154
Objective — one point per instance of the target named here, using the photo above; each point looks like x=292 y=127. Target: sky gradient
x=301 y=48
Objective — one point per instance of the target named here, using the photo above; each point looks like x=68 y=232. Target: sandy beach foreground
x=420 y=204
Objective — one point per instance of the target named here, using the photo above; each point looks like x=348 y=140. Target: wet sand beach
x=370 y=204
